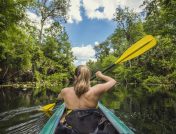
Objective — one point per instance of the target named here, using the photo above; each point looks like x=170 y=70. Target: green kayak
x=52 y=124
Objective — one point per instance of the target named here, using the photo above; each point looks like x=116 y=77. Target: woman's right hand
x=103 y=87
x=99 y=74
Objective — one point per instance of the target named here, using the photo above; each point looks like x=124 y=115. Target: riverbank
x=23 y=85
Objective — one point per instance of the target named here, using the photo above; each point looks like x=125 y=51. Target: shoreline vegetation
x=42 y=57
x=151 y=87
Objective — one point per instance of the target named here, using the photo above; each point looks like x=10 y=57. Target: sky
x=90 y=22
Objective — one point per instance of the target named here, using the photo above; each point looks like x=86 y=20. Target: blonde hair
x=82 y=81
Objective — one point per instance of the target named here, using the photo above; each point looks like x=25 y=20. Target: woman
x=82 y=95
x=81 y=100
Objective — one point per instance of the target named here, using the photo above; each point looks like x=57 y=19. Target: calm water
x=150 y=110
x=19 y=111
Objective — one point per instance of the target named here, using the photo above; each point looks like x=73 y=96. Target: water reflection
x=145 y=111
x=22 y=120
x=19 y=111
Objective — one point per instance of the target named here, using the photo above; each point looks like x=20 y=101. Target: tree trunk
x=41 y=32
x=5 y=72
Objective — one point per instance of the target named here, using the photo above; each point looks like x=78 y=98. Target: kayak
x=52 y=124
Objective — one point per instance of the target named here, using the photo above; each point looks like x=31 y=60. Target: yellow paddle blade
x=48 y=107
x=138 y=48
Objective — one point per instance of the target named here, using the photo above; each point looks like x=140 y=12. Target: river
x=146 y=110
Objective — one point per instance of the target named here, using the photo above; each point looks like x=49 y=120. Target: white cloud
x=83 y=62
x=36 y=20
x=111 y=50
x=83 y=54
x=96 y=43
x=91 y=8
x=74 y=11
x=133 y=4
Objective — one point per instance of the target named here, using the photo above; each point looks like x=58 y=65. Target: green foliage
x=102 y=50
x=37 y=54
x=155 y=66
x=22 y=57
x=129 y=25
x=156 y=83
x=57 y=81
x=108 y=60
x=11 y=12
x=50 y=9
x=152 y=80
x=172 y=77
x=15 y=50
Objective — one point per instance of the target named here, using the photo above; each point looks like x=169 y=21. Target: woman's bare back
x=87 y=100
x=82 y=96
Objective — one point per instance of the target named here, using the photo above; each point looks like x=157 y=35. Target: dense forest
x=43 y=57
x=28 y=54
x=158 y=66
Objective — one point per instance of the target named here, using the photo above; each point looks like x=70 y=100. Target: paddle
x=135 y=50
x=47 y=107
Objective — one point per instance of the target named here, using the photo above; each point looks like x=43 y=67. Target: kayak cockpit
x=89 y=121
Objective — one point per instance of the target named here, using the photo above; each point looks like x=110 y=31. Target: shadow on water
x=150 y=110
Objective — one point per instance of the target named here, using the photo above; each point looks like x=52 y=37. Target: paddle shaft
x=109 y=67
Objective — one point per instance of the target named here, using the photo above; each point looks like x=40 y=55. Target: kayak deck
x=51 y=125
x=115 y=121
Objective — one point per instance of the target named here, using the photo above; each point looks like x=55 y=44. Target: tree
x=129 y=24
x=15 y=56
x=11 y=12
x=15 y=50
x=22 y=58
x=160 y=21
x=53 y=10
x=102 y=50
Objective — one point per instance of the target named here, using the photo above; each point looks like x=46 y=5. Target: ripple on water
x=22 y=120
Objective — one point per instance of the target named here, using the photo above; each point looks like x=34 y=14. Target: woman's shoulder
x=66 y=89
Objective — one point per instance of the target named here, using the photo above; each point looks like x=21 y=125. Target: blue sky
x=89 y=31
x=84 y=35
x=90 y=22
